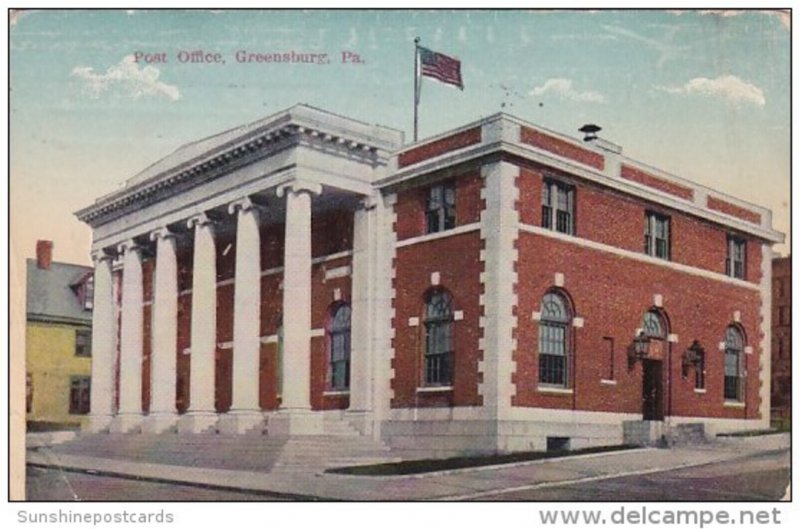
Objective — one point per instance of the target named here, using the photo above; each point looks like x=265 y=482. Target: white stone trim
x=337 y=272
x=701 y=391
x=314 y=261
x=658 y=301
x=413 y=321
x=608 y=382
x=225 y=345
x=561 y=415
x=748 y=350
x=721 y=346
x=733 y=404
x=558 y=279
x=458 y=230
x=552 y=389
x=672 y=338
x=436 y=278
x=434 y=389
x=499 y=231
x=737 y=316
x=536 y=315
x=577 y=322
x=317 y=333
x=458 y=315
x=764 y=373
x=226 y=282
x=389 y=247
x=272 y=338
x=536 y=230
x=336 y=393
x=337 y=294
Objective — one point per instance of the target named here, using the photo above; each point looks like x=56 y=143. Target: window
x=339 y=340
x=79 y=390
x=700 y=370
x=653 y=325
x=83 y=343
x=608 y=344
x=656 y=235
x=438 y=338
x=440 y=213
x=734 y=345
x=553 y=340
x=88 y=293
x=734 y=262
x=558 y=207
x=28 y=393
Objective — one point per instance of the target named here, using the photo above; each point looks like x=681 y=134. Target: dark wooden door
x=652 y=391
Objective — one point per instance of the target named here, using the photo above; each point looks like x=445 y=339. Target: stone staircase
x=657 y=433
x=687 y=434
x=339 y=445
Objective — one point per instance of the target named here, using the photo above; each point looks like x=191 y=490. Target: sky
x=704 y=95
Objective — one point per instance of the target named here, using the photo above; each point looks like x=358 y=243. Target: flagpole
x=416 y=87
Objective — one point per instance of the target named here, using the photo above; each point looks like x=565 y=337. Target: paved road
x=47 y=484
x=755 y=478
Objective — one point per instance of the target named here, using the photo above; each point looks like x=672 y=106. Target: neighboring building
x=782 y=340
x=58 y=340
x=496 y=287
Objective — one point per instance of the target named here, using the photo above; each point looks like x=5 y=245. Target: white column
x=163 y=359
x=203 y=334
x=296 y=394
x=131 y=340
x=245 y=412
x=104 y=337
x=363 y=293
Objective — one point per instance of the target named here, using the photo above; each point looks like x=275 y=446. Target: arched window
x=554 y=340
x=654 y=326
x=339 y=343
x=734 y=346
x=438 y=338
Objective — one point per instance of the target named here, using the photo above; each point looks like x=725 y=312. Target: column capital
x=243 y=204
x=201 y=219
x=102 y=255
x=368 y=202
x=162 y=233
x=299 y=186
x=128 y=246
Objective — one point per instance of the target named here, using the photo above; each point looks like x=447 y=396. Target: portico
x=218 y=203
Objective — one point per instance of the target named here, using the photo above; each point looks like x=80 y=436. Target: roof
x=51 y=296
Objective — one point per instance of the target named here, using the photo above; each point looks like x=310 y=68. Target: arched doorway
x=654 y=326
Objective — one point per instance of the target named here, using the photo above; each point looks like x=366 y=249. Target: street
x=754 y=478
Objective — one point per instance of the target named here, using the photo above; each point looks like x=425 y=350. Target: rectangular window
x=732 y=377
x=552 y=354
x=79 y=391
x=439 y=354
x=735 y=260
x=656 y=235
x=83 y=343
x=700 y=371
x=440 y=211
x=558 y=207
x=608 y=346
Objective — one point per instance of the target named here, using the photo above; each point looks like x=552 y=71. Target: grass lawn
x=420 y=466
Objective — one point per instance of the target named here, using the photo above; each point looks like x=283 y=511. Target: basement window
x=557 y=444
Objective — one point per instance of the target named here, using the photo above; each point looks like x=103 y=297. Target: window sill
x=733 y=404
x=702 y=391
x=608 y=382
x=554 y=390
x=336 y=393
x=435 y=389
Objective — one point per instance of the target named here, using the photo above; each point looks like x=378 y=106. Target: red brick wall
x=561 y=147
x=642 y=177
x=411 y=204
x=457 y=258
x=697 y=308
x=441 y=146
x=733 y=210
x=617 y=220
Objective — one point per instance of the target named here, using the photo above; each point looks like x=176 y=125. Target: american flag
x=440 y=67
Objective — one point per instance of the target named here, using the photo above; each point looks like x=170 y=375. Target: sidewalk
x=447 y=485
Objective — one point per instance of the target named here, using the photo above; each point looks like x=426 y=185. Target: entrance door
x=652 y=391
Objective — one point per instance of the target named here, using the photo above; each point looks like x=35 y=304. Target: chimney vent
x=44 y=254
x=590 y=131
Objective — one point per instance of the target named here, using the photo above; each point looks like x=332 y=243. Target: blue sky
x=702 y=95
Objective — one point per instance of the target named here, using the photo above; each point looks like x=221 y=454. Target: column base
x=240 y=421
x=156 y=423
x=361 y=420
x=97 y=424
x=286 y=423
x=126 y=423
x=197 y=422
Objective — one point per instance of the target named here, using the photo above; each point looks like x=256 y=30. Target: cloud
x=783 y=15
x=728 y=87
x=563 y=88
x=666 y=49
x=128 y=77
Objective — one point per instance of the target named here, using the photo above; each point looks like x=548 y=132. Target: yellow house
x=58 y=342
